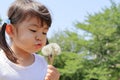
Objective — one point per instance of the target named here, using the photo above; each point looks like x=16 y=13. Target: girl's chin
x=38 y=49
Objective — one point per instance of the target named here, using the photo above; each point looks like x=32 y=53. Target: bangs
x=29 y=10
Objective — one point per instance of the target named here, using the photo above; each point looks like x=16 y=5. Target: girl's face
x=29 y=36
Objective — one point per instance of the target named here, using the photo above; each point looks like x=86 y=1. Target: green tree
x=98 y=56
x=104 y=44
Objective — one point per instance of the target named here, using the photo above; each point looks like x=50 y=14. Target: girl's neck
x=23 y=58
x=26 y=61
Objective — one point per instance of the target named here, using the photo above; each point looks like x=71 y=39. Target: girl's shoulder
x=1 y=51
x=2 y=63
x=2 y=59
x=1 y=54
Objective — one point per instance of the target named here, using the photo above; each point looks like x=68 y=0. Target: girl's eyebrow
x=37 y=26
x=34 y=25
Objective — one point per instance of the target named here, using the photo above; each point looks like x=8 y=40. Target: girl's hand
x=52 y=73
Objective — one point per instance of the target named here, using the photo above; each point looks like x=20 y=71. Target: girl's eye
x=33 y=30
x=44 y=33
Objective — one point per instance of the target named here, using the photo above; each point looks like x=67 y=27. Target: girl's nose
x=39 y=37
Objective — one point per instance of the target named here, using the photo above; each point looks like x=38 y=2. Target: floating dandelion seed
x=50 y=51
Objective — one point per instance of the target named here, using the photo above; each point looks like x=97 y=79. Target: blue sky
x=64 y=12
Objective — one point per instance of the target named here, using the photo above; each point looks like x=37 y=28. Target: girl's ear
x=9 y=29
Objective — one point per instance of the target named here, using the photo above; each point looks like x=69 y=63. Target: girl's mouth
x=37 y=46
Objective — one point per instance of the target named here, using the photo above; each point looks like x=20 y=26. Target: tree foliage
x=98 y=56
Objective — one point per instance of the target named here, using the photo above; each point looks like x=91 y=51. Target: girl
x=28 y=27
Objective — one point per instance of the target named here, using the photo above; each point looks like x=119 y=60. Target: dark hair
x=47 y=42
x=18 y=12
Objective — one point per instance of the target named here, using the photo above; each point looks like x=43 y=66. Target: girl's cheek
x=43 y=41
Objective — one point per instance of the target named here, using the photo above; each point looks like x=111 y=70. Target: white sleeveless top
x=11 y=71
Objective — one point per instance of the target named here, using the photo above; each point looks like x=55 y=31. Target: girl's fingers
x=52 y=73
